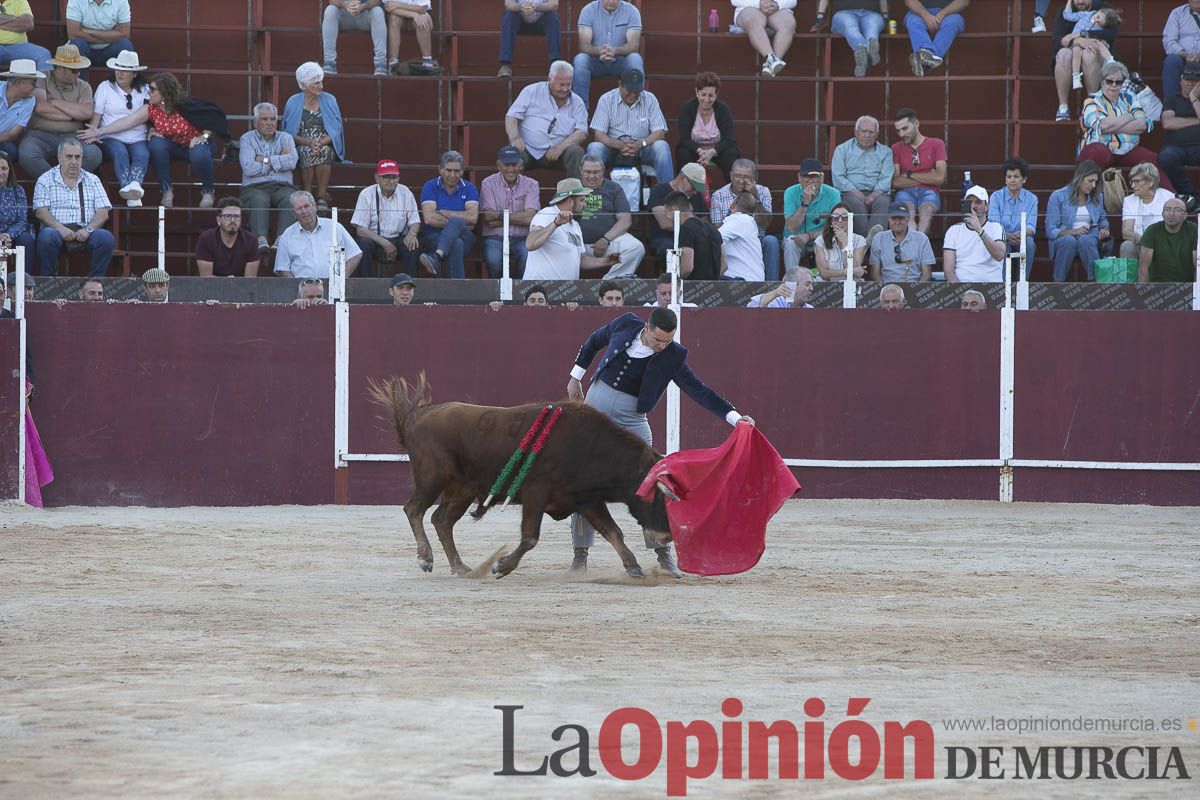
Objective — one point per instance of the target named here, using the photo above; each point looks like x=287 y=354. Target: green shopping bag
x=1116 y=270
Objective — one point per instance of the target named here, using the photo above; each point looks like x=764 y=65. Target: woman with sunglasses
x=829 y=249
x=115 y=99
x=1113 y=125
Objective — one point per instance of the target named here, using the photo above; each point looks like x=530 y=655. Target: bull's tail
x=400 y=399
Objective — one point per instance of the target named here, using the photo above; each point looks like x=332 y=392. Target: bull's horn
x=662 y=487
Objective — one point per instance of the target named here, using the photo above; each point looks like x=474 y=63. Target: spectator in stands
x=402 y=289
x=16 y=21
x=606 y=219
x=228 y=250
x=691 y=182
x=156 y=283
x=528 y=17
x=1142 y=207
x=387 y=222
x=1181 y=147
x=1181 y=41
x=303 y=250
x=122 y=95
x=662 y=294
x=1092 y=47
x=267 y=156
x=16 y=102
x=1005 y=207
x=15 y=230
x=860 y=24
x=701 y=249
x=1169 y=247
x=417 y=17
x=901 y=253
x=1076 y=224
x=555 y=241
x=862 y=170
x=99 y=28
x=91 y=291
x=794 y=292
x=739 y=232
x=355 y=15
x=1087 y=23
x=536 y=296
x=610 y=294
x=942 y=22
x=629 y=126
x=548 y=122
x=743 y=178
x=1039 y=16
x=829 y=247
x=71 y=205
x=1113 y=123
x=507 y=190
x=891 y=298
x=973 y=300
x=63 y=104
x=610 y=33
x=756 y=17
x=805 y=206
x=449 y=211
x=310 y=292
x=314 y=120
x=706 y=128
x=920 y=168
x=974 y=249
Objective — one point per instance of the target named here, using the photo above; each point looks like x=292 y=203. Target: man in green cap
x=555 y=240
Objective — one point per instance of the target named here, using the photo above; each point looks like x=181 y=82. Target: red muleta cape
x=726 y=497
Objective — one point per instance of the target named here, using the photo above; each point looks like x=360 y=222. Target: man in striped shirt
x=629 y=124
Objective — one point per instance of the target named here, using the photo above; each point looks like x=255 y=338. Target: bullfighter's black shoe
x=666 y=560
x=579 y=563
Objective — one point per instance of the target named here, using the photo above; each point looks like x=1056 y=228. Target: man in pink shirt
x=507 y=190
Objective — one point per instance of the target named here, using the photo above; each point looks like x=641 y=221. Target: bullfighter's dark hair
x=609 y=286
x=664 y=319
x=535 y=289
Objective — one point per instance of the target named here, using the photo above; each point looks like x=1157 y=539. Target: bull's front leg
x=603 y=522
x=531 y=528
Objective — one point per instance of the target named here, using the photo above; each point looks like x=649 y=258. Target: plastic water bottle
x=966 y=204
x=714 y=21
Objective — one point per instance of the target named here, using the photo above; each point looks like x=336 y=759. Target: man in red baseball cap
x=386 y=222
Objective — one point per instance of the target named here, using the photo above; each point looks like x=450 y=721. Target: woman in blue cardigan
x=314 y=120
x=1076 y=224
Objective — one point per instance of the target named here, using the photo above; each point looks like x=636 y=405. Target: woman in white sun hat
x=119 y=97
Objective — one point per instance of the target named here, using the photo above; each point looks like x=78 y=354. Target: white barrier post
x=506 y=281
x=162 y=238
x=18 y=302
x=1023 y=267
x=676 y=300
x=849 y=295
x=341 y=346
x=1196 y=276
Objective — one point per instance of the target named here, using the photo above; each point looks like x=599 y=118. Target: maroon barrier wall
x=10 y=345
x=197 y=405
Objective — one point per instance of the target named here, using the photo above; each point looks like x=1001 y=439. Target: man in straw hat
x=63 y=107
x=555 y=240
x=16 y=102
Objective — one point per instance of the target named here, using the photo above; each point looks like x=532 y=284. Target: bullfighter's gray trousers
x=621 y=408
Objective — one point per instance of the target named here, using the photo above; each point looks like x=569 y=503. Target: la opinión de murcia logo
x=737 y=749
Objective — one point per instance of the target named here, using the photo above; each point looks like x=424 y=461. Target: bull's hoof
x=459 y=570
x=426 y=564
x=500 y=569
x=635 y=572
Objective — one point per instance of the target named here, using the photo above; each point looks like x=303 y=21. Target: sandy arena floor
x=297 y=652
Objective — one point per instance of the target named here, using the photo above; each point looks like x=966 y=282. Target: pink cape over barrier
x=727 y=495
x=37 y=467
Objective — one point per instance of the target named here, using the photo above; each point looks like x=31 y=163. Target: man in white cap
x=16 y=102
x=974 y=249
x=555 y=240
x=63 y=106
x=156 y=282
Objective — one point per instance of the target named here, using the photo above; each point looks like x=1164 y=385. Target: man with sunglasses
x=901 y=253
x=548 y=123
x=919 y=168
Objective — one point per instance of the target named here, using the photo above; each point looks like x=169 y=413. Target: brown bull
x=457 y=450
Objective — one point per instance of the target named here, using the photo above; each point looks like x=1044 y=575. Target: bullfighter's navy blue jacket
x=669 y=364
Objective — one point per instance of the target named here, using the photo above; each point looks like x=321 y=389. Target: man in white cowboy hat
x=99 y=28
x=17 y=21
x=16 y=102
x=63 y=106
x=555 y=240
